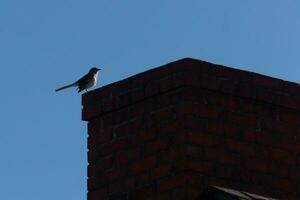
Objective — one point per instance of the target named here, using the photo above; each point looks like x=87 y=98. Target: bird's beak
x=98 y=69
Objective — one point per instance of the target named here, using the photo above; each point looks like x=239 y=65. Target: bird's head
x=94 y=70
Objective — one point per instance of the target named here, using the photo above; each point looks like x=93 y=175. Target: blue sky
x=46 y=44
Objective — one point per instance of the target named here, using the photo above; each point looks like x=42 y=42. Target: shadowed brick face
x=169 y=132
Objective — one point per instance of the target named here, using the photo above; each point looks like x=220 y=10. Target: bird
x=87 y=81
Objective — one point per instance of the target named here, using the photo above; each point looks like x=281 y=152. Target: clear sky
x=46 y=44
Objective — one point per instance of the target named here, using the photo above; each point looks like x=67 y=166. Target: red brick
x=223 y=129
x=127 y=156
x=137 y=95
x=142 y=192
x=143 y=165
x=199 y=80
x=208 y=82
x=115 y=146
x=140 y=108
x=101 y=193
x=279 y=168
x=152 y=88
x=200 y=110
x=170 y=155
x=265 y=81
x=294 y=173
x=121 y=185
x=266 y=95
x=163 y=196
x=193 y=193
x=246 y=149
x=277 y=155
x=103 y=137
x=220 y=99
x=194 y=151
x=161 y=171
x=114 y=174
x=124 y=99
x=201 y=67
x=116 y=187
x=183 y=94
x=160 y=115
x=90 y=112
x=232 y=74
x=102 y=165
x=122 y=116
x=142 y=178
x=245 y=89
x=196 y=179
x=261 y=109
x=284 y=185
x=166 y=84
x=219 y=155
x=92 y=184
x=171 y=182
x=100 y=138
x=202 y=138
x=227 y=86
x=230 y=173
x=179 y=193
x=291 y=88
x=122 y=87
x=190 y=124
x=129 y=128
x=241 y=120
x=256 y=164
x=279 y=126
x=92 y=156
x=259 y=137
x=182 y=79
x=171 y=126
x=148 y=105
x=94 y=126
x=289 y=116
x=144 y=136
x=199 y=166
x=156 y=146
x=216 y=181
x=107 y=121
x=108 y=104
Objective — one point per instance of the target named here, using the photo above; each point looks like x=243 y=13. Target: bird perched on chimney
x=87 y=81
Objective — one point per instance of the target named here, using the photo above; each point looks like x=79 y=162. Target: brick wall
x=171 y=131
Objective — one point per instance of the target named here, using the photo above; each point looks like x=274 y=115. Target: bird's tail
x=65 y=87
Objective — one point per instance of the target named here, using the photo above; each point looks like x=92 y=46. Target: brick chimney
x=170 y=132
